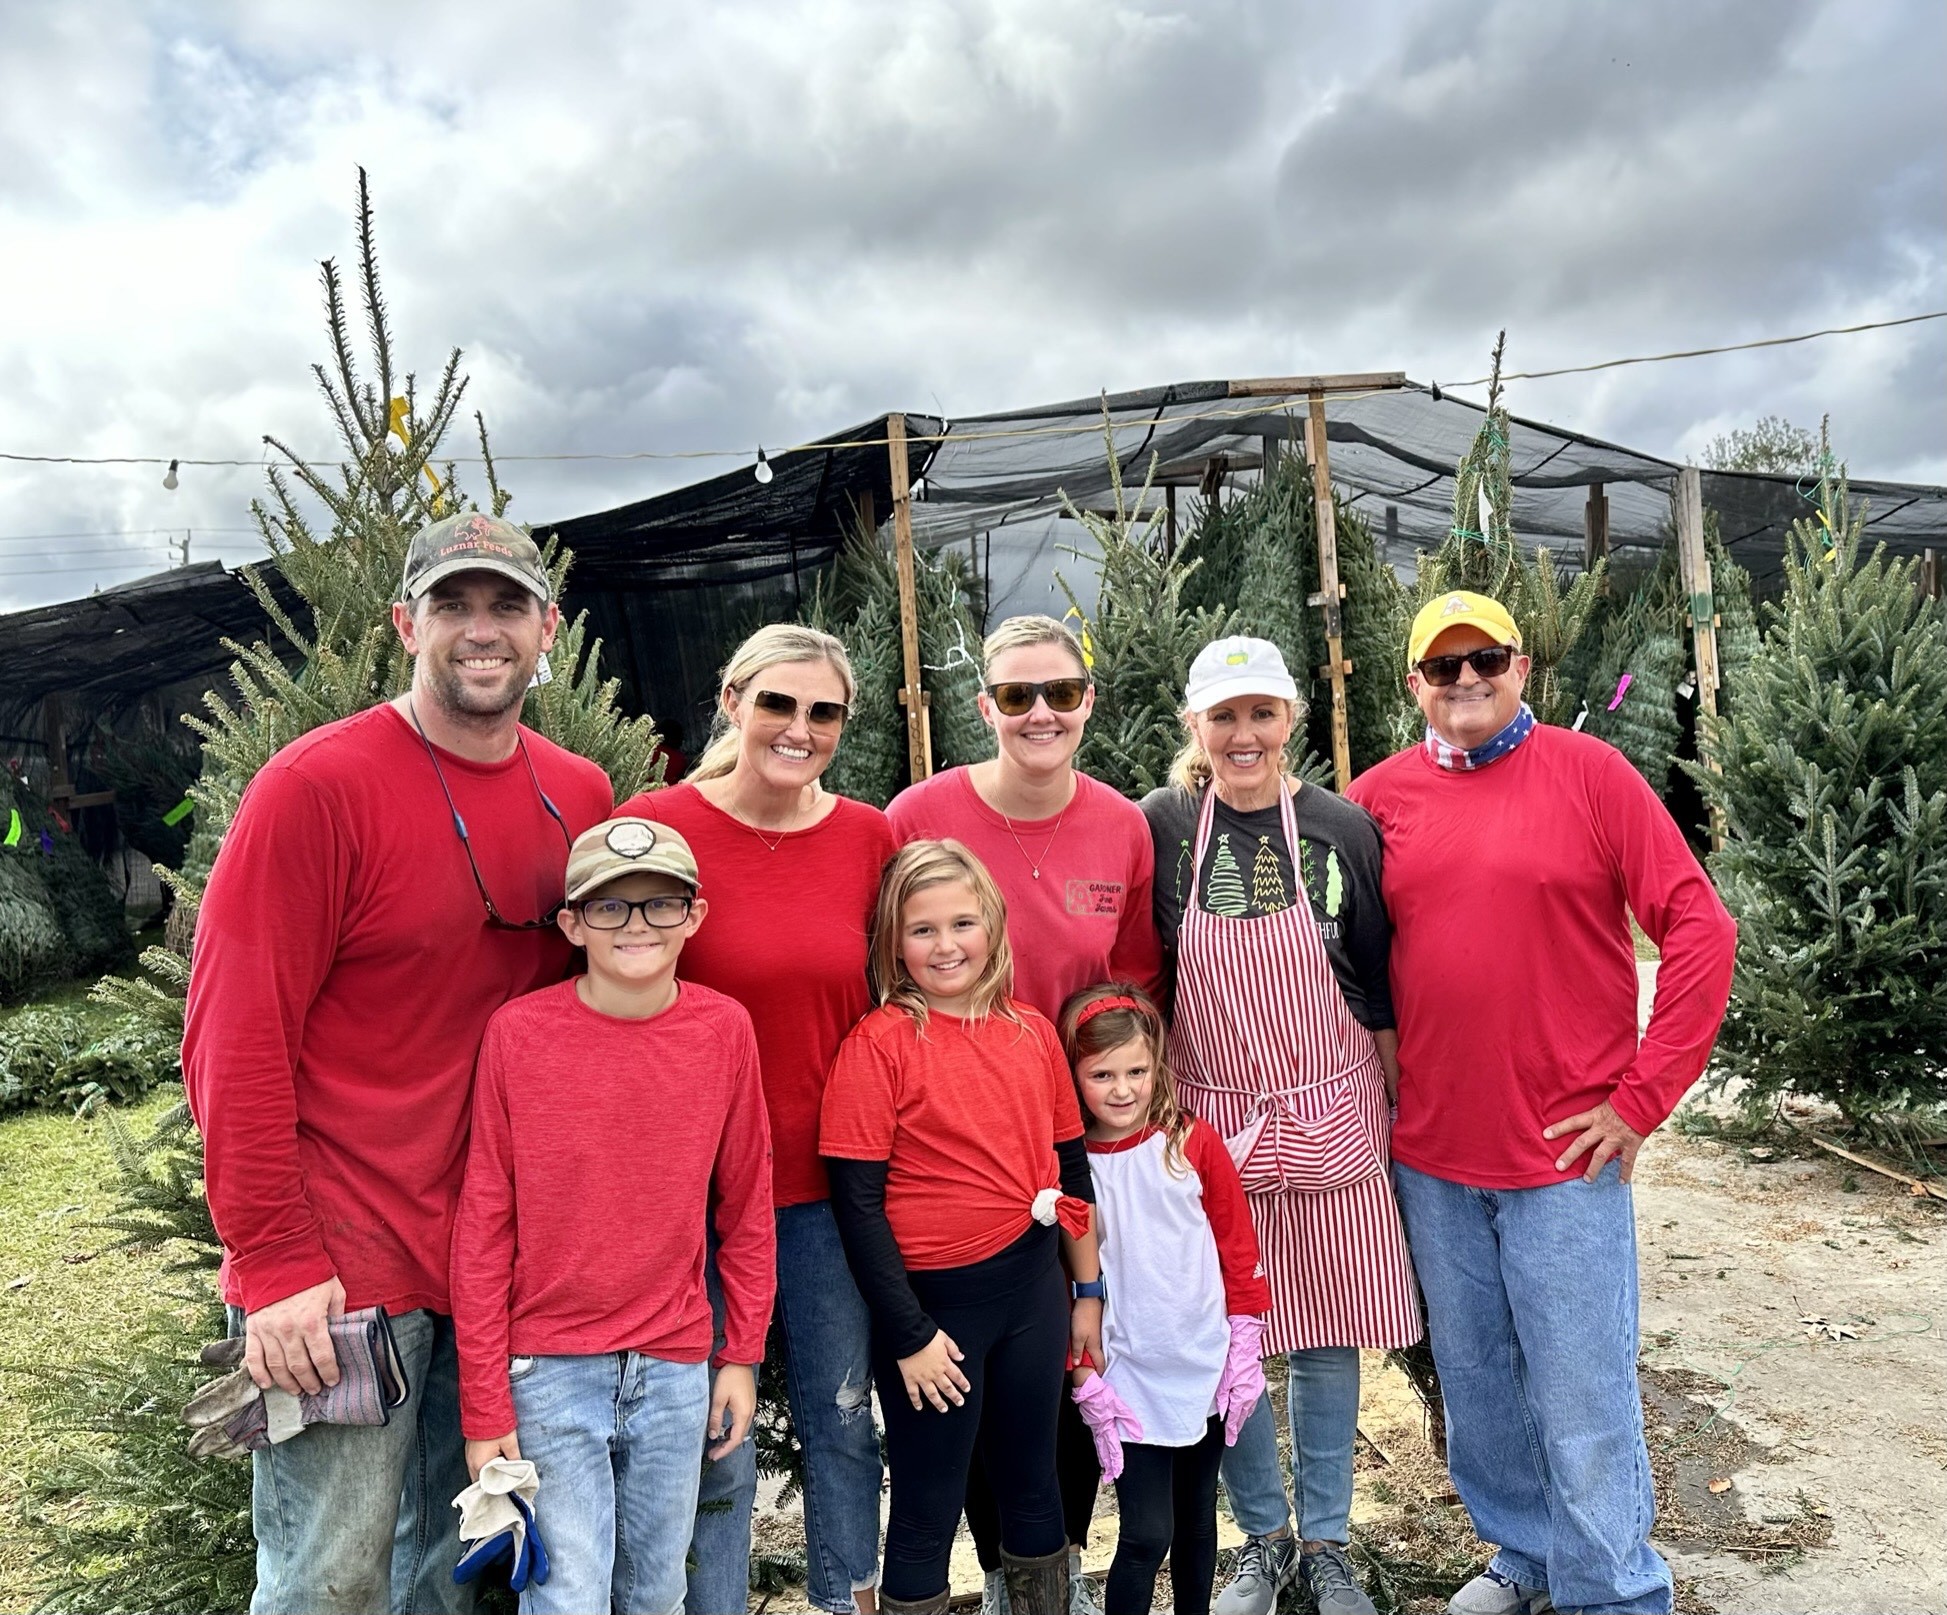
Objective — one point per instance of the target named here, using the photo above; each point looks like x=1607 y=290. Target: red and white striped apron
x=1266 y=1052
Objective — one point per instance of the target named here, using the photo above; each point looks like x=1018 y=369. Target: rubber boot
x=936 y=1605
x=1037 y=1586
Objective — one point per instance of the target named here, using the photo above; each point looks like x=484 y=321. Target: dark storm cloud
x=672 y=228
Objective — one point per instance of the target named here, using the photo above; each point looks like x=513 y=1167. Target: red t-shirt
x=786 y=938
x=588 y=1195
x=342 y=975
x=1088 y=918
x=966 y=1114
x=1514 y=979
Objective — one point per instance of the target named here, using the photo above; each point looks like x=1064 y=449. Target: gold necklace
x=772 y=843
x=1034 y=864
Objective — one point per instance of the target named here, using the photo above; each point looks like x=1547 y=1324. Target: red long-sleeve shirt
x=1088 y=916
x=1514 y=979
x=342 y=975
x=602 y=1150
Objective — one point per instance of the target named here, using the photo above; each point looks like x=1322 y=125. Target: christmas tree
x=1631 y=690
x=144 y=1526
x=1225 y=893
x=1480 y=553
x=1830 y=773
x=1143 y=633
x=1268 y=894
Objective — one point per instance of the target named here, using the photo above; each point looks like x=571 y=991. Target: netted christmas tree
x=1641 y=655
x=1142 y=634
x=1833 y=795
x=59 y=918
x=1482 y=554
x=137 y=1524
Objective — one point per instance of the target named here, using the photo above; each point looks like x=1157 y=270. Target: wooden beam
x=1326 y=522
x=1169 y=530
x=54 y=733
x=912 y=694
x=1693 y=566
x=866 y=506
x=1595 y=527
x=1931 y=582
x=1283 y=386
x=1269 y=446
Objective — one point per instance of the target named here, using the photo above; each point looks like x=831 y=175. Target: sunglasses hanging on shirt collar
x=494 y=916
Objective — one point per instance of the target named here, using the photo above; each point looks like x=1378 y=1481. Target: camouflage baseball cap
x=473 y=541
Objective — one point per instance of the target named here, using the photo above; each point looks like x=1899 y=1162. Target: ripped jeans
x=826 y=1332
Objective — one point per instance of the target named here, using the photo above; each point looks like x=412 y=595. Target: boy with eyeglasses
x=618 y=1120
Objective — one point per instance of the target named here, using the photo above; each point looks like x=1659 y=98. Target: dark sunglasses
x=820 y=714
x=1019 y=695
x=613 y=913
x=1491 y=661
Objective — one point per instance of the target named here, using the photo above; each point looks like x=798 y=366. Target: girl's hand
x=733 y=1404
x=481 y=1453
x=1085 y=1331
x=930 y=1372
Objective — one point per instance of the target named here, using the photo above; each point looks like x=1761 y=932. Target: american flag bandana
x=1461 y=759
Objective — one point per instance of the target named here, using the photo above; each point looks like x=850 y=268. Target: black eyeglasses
x=1017 y=696
x=1490 y=661
x=546 y=921
x=613 y=913
x=820 y=714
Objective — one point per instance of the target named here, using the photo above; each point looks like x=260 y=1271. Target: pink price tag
x=1622 y=689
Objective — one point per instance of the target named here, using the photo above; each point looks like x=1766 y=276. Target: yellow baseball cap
x=1459 y=609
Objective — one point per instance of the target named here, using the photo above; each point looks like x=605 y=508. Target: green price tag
x=179 y=812
x=13 y=829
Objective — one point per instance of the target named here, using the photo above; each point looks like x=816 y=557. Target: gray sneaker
x=1082 y=1598
x=1328 y=1573
x=1265 y=1567
x=1491 y=1593
x=993 y=1594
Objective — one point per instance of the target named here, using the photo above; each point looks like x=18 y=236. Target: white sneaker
x=1265 y=1567
x=993 y=1594
x=1491 y=1593
x=1082 y=1599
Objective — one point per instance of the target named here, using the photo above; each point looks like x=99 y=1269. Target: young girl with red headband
x=1182 y=1322
x=961 y=1185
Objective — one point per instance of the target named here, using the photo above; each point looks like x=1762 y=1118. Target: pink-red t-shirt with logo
x=1087 y=918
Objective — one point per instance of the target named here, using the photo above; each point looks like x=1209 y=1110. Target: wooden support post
x=867 y=506
x=1595 y=528
x=912 y=694
x=1169 y=529
x=1269 y=447
x=54 y=732
x=1693 y=566
x=1931 y=583
x=1329 y=589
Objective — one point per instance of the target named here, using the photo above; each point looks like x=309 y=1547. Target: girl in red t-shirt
x=1180 y=1370
x=953 y=1140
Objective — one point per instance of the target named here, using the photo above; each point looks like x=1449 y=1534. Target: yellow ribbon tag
x=398 y=429
x=1082 y=633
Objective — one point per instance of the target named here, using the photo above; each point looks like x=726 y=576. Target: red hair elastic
x=1101 y=1005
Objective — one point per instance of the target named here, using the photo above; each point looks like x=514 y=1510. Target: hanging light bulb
x=762 y=471
x=169 y=477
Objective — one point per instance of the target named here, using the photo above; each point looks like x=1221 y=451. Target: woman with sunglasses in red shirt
x=793 y=872
x=1075 y=861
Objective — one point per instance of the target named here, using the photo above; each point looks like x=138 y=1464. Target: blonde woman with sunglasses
x=793 y=872
x=1075 y=861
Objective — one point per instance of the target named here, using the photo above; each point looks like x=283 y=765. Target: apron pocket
x=1279 y=1151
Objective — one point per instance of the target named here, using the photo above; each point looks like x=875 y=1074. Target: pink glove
x=1242 y=1381
x=1109 y=1420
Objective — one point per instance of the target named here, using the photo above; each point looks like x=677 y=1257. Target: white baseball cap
x=1239 y=665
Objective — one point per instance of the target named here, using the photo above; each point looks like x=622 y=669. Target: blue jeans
x=353 y=1519
x=1323 y=1404
x=1531 y=1309
x=618 y=1441
x=828 y=1384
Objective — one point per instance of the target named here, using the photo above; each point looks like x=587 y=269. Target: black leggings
x=1076 y=1470
x=1167 y=1498
x=1009 y=1317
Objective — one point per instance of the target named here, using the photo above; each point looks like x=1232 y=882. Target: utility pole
x=179 y=550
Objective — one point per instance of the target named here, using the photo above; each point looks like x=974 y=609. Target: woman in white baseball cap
x=1268 y=907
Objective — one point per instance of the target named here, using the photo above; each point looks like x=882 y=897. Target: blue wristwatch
x=1088 y=1289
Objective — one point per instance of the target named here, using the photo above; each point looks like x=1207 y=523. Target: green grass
x=57 y=1173
x=69 y=995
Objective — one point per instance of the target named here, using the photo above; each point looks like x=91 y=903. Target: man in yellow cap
x=1514 y=856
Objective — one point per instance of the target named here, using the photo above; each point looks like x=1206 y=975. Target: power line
x=1699 y=353
x=1067 y=429
x=116 y=532
x=70 y=571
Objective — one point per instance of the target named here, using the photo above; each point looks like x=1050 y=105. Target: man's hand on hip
x=288 y=1343
x=1604 y=1134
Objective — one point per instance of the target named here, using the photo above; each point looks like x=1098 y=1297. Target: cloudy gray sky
x=670 y=227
